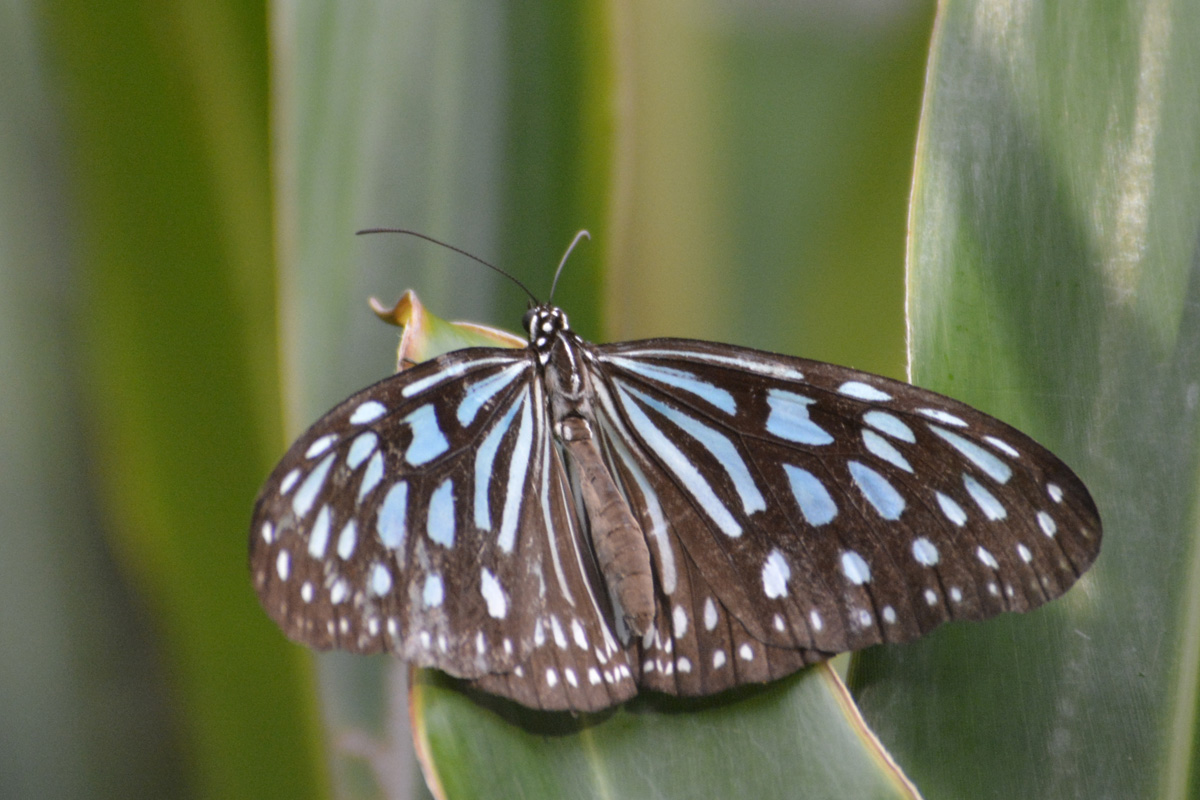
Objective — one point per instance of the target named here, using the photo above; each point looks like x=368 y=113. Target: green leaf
x=799 y=737
x=1055 y=282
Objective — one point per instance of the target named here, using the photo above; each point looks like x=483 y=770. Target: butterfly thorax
x=617 y=538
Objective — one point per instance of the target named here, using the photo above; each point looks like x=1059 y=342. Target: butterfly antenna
x=581 y=235
x=458 y=250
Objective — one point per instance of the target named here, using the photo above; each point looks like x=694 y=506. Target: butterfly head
x=544 y=323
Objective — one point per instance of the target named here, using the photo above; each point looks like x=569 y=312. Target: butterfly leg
x=617 y=538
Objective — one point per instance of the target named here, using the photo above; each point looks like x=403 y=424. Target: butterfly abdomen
x=617 y=539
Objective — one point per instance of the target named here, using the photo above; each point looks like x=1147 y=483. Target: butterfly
x=567 y=524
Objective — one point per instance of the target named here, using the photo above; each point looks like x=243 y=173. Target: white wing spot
x=1053 y=489
x=283 y=564
x=434 y=592
x=493 y=594
x=892 y=426
x=439 y=519
x=986 y=557
x=882 y=448
x=864 y=618
x=780 y=624
x=307 y=493
x=680 y=619
x=1002 y=446
x=560 y=638
x=268 y=532
x=855 y=567
x=593 y=676
x=428 y=441
x=889 y=615
x=320 y=445
x=986 y=501
x=289 y=481
x=306 y=592
x=953 y=511
x=381 y=580
x=683 y=665
x=1047 y=523
x=775 y=575
x=718 y=659
x=579 y=635
x=710 y=614
x=391 y=524
x=888 y=502
x=996 y=469
x=814 y=617
x=367 y=412
x=551 y=677
x=746 y=652
x=863 y=391
x=814 y=500
x=319 y=538
x=925 y=552
x=346 y=540
x=1024 y=553
x=956 y=594
x=931 y=597
x=361 y=449
x=789 y=419
x=371 y=476
x=339 y=591
x=944 y=417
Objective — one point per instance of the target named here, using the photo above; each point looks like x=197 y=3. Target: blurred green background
x=182 y=291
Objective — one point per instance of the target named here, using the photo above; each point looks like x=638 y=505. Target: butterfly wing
x=797 y=509
x=429 y=516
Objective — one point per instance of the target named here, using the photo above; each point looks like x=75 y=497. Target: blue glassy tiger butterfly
x=567 y=523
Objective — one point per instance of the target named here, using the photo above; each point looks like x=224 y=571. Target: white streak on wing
x=428 y=441
x=439 y=519
x=361 y=449
x=518 y=469
x=678 y=463
x=544 y=500
x=713 y=395
x=307 y=493
x=996 y=469
x=758 y=367
x=485 y=459
x=658 y=522
x=480 y=392
x=789 y=419
x=715 y=443
x=453 y=371
x=882 y=448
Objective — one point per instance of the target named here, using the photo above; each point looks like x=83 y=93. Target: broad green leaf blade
x=657 y=747
x=1055 y=282
x=166 y=111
